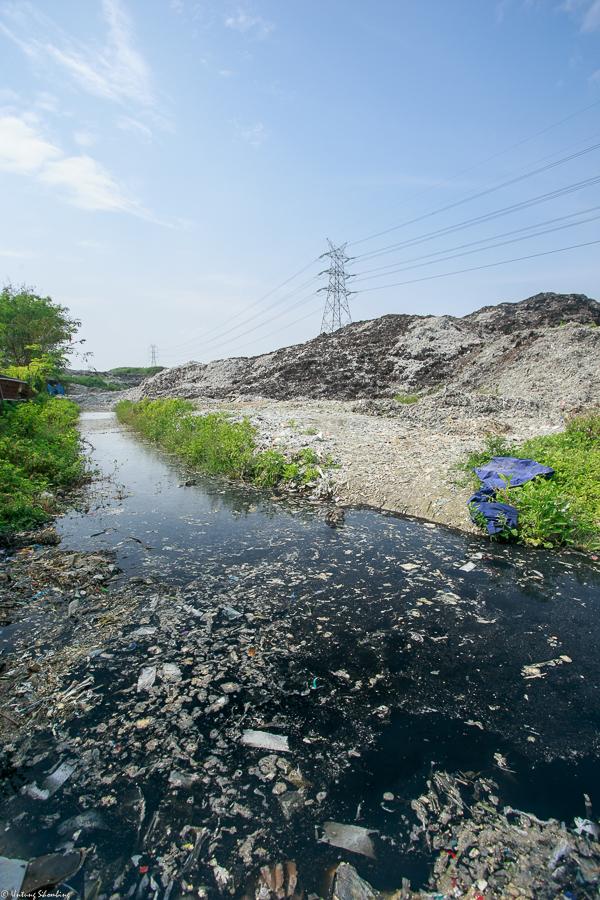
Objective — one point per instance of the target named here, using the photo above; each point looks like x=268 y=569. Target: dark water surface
x=389 y=659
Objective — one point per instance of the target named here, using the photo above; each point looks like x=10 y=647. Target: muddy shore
x=228 y=683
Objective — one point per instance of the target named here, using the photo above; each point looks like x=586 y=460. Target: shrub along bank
x=215 y=444
x=563 y=510
x=40 y=456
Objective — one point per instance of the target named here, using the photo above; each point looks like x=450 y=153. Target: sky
x=167 y=166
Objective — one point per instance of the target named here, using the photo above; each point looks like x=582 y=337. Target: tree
x=32 y=327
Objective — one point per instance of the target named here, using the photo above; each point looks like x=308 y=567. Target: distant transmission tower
x=337 y=309
x=153 y=355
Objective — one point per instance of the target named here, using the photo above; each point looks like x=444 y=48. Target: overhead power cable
x=195 y=342
x=480 y=241
x=501 y=262
x=303 y=318
x=486 y=217
x=514 y=240
x=256 y=302
x=219 y=343
x=484 y=192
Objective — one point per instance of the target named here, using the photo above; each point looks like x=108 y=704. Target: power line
x=514 y=240
x=480 y=241
x=501 y=262
x=249 y=319
x=289 y=324
x=263 y=324
x=476 y=220
x=491 y=189
x=337 y=309
x=256 y=303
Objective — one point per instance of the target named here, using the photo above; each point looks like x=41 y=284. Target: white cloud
x=84 y=138
x=22 y=149
x=246 y=23
x=82 y=179
x=6 y=253
x=587 y=12
x=87 y=184
x=115 y=71
x=134 y=126
x=591 y=19
x=255 y=135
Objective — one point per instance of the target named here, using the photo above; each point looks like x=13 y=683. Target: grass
x=146 y=371
x=40 y=455
x=406 y=398
x=562 y=511
x=214 y=444
x=92 y=381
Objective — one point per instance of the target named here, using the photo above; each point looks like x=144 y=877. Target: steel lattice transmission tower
x=153 y=355
x=337 y=309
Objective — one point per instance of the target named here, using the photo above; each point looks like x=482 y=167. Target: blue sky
x=164 y=164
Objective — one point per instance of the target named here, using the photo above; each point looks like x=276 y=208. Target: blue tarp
x=501 y=472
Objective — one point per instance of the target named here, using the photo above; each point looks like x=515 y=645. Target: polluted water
x=253 y=698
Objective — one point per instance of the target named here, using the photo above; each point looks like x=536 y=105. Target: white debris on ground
x=515 y=370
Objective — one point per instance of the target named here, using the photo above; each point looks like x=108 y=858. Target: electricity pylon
x=337 y=309
x=153 y=355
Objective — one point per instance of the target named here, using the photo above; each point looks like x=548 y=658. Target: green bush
x=407 y=398
x=40 y=451
x=146 y=371
x=215 y=444
x=92 y=381
x=563 y=510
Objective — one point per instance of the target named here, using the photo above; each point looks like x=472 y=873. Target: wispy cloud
x=22 y=149
x=81 y=179
x=247 y=23
x=587 y=13
x=7 y=253
x=115 y=71
x=87 y=184
x=255 y=134
x=134 y=126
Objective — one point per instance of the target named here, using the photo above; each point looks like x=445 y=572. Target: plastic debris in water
x=349 y=837
x=264 y=740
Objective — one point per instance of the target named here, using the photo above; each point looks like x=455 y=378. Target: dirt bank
x=395 y=456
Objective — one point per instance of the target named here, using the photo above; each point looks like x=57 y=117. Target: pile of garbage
x=542 y=347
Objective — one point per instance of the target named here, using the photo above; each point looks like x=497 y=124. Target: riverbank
x=40 y=461
x=246 y=682
x=398 y=457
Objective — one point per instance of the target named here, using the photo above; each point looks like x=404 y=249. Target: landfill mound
x=546 y=347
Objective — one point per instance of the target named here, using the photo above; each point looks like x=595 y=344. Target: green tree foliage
x=32 y=327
